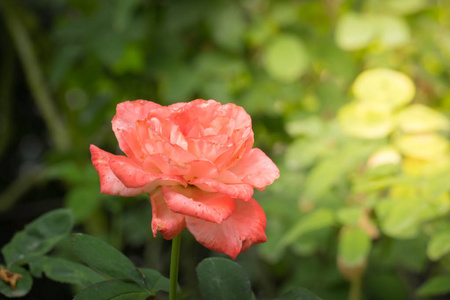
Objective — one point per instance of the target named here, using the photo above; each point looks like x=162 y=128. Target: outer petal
x=212 y=207
x=132 y=175
x=109 y=183
x=256 y=169
x=170 y=224
x=124 y=123
x=241 y=191
x=244 y=228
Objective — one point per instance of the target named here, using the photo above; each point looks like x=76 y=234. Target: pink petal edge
x=212 y=207
x=244 y=228
x=256 y=169
x=109 y=183
x=170 y=224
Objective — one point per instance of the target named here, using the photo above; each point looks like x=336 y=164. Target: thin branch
x=34 y=75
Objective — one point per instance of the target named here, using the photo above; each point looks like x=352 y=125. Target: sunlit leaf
x=314 y=221
x=392 y=31
x=386 y=86
x=354 y=246
x=286 y=58
x=418 y=118
x=422 y=146
x=370 y=120
x=354 y=31
x=438 y=285
x=400 y=218
x=439 y=245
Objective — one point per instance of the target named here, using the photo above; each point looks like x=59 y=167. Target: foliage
x=350 y=98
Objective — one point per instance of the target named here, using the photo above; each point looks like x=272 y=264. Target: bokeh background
x=351 y=99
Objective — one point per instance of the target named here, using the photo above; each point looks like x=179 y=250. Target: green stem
x=174 y=259
x=34 y=74
x=355 y=289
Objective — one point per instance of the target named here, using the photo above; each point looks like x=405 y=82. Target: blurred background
x=351 y=99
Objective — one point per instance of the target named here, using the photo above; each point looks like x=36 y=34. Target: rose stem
x=174 y=259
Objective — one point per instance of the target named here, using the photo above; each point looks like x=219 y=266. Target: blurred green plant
x=351 y=98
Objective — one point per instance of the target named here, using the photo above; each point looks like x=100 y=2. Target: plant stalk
x=355 y=289
x=174 y=260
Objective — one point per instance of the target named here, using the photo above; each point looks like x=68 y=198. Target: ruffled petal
x=170 y=224
x=212 y=207
x=256 y=169
x=124 y=125
x=241 y=191
x=244 y=228
x=132 y=175
x=109 y=183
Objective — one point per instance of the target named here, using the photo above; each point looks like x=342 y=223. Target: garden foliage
x=351 y=100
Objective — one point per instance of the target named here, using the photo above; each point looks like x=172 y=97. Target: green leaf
x=400 y=218
x=386 y=86
x=314 y=221
x=105 y=258
x=439 y=245
x=354 y=246
x=227 y=26
x=23 y=285
x=286 y=58
x=334 y=168
x=392 y=31
x=223 y=279
x=83 y=200
x=62 y=270
x=434 y=286
x=298 y=294
x=354 y=31
x=38 y=237
x=112 y=290
x=154 y=281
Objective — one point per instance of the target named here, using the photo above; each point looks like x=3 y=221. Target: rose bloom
x=196 y=162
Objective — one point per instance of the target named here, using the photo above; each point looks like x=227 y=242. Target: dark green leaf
x=154 y=281
x=66 y=271
x=39 y=236
x=112 y=289
x=23 y=285
x=221 y=278
x=105 y=258
x=298 y=294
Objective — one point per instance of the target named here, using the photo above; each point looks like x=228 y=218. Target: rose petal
x=154 y=143
x=194 y=169
x=241 y=191
x=256 y=169
x=124 y=123
x=170 y=224
x=212 y=207
x=109 y=183
x=244 y=228
x=132 y=176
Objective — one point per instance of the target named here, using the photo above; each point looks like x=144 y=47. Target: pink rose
x=196 y=162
